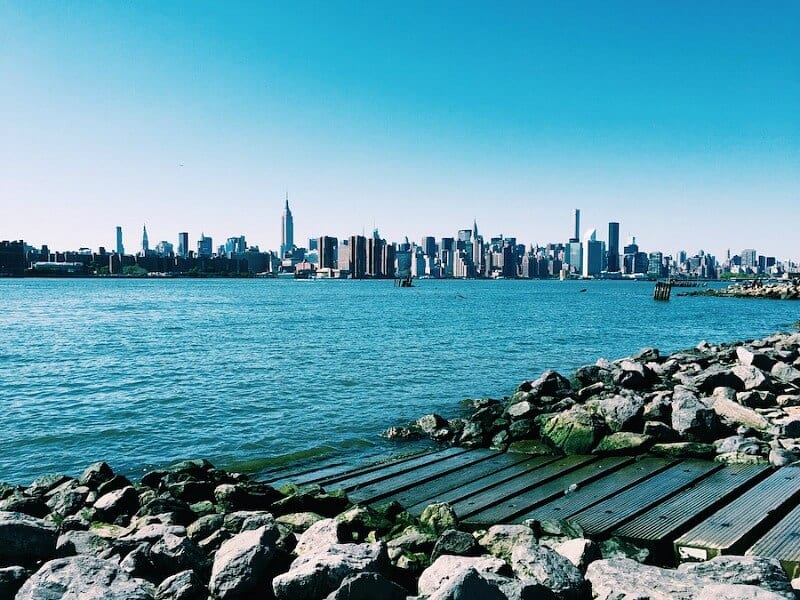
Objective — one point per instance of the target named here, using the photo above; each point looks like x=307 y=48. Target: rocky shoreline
x=789 y=290
x=193 y=531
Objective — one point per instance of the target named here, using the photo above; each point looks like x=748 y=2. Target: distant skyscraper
x=429 y=245
x=749 y=258
x=145 y=242
x=183 y=244
x=592 y=254
x=204 y=246
x=120 y=247
x=613 y=247
x=327 y=247
x=577 y=216
x=287 y=229
x=358 y=257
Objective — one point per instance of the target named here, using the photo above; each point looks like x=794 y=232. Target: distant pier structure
x=663 y=290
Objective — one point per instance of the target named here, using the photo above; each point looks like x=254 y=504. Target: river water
x=250 y=372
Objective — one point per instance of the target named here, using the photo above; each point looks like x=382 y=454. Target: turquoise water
x=140 y=372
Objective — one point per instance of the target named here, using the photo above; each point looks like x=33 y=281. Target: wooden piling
x=662 y=291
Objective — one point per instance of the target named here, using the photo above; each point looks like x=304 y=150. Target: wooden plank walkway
x=689 y=508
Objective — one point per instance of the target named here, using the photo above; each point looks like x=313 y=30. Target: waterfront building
x=749 y=259
x=612 y=259
x=287 y=229
x=12 y=258
x=120 y=247
x=235 y=245
x=204 y=246
x=326 y=247
x=573 y=257
x=183 y=244
x=429 y=245
x=358 y=257
x=388 y=260
x=592 y=254
x=655 y=267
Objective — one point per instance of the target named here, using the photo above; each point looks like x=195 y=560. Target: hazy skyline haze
x=679 y=120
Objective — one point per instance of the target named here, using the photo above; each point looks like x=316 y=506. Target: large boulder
x=692 y=418
x=368 y=586
x=785 y=373
x=765 y=573
x=80 y=577
x=455 y=542
x=467 y=585
x=550 y=383
x=500 y=540
x=321 y=534
x=621 y=413
x=733 y=414
x=438 y=517
x=550 y=569
x=11 y=579
x=96 y=474
x=575 y=431
x=25 y=539
x=755 y=359
x=316 y=574
x=185 y=585
x=174 y=553
x=752 y=378
x=241 y=565
x=446 y=567
x=118 y=503
x=581 y=552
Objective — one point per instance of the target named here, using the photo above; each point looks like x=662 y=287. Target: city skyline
x=679 y=122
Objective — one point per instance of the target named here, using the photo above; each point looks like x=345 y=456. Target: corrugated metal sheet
x=782 y=541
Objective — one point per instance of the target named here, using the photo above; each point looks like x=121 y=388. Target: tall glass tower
x=120 y=247
x=287 y=229
x=145 y=242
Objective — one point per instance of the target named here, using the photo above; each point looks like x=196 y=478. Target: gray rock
x=299 y=522
x=723 y=591
x=733 y=414
x=755 y=359
x=624 y=442
x=25 y=539
x=11 y=579
x=633 y=375
x=684 y=450
x=71 y=543
x=692 y=418
x=626 y=579
x=42 y=485
x=500 y=540
x=368 y=586
x=522 y=410
x=550 y=569
x=467 y=585
x=621 y=413
x=785 y=373
x=84 y=577
x=765 y=573
x=430 y=423
x=204 y=526
x=174 y=553
x=439 y=517
x=68 y=499
x=185 y=585
x=580 y=552
x=96 y=474
x=575 y=431
x=245 y=520
x=316 y=574
x=549 y=383
x=615 y=547
x=241 y=564
x=780 y=457
x=756 y=399
x=320 y=535
x=455 y=542
x=752 y=378
x=27 y=505
x=446 y=567
x=413 y=540
x=118 y=503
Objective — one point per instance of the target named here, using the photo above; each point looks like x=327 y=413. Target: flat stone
x=684 y=450
x=765 y=573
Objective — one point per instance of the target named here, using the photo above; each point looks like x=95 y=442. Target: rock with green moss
x=624 y=442
x=575 y=431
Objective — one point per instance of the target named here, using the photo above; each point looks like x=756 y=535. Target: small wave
x=260 y=464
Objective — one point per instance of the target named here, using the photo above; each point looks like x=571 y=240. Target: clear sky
x=679 y=119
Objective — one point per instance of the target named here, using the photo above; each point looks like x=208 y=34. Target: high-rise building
x=576 y=214
x=358 y=256
x=429 y=245
x=613 y=248
x=120 y=247
x=326 y=247
x=235 y=245
x=204 y=246
x=183 y=244
x=592 y=254
x=749 y=258
x=287 y=229
x=145 y=242
x=164 y=248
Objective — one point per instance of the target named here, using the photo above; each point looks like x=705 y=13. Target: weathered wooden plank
x=505 y=511
x=497 y=493
x=782 y=542
x=733 y=528
x=305 y=474
x=351 y=482
x=669 y=519
x=432 y=490
x=483 y=483
x=582 y=498
x=599 y=519
x=372 y=492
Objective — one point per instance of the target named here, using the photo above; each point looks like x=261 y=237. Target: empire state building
x=287 y=229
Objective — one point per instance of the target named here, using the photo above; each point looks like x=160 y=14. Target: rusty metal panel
x=608 y=514
x=734 y=527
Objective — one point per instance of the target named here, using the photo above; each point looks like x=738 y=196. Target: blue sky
x=679 y=119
